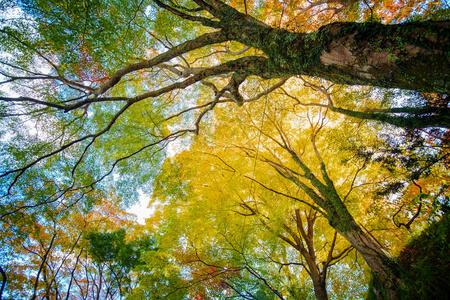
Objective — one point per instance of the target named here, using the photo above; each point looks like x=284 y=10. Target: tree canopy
x=290 y=149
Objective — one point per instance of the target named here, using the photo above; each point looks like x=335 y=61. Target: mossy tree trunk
x=413 y=56
x=322 y=191
x=384 y=267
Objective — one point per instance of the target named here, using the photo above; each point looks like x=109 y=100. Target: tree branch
x=201 y=41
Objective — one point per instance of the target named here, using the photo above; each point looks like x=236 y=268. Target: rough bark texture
x=414 y=56
x=335 y=210
x=384 y=267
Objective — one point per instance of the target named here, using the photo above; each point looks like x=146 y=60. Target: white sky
x=141 y=209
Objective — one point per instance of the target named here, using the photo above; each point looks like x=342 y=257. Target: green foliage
x=424 y=264
x=112 y=247
x=95 y=116
x=161 y=278
x=89 y=32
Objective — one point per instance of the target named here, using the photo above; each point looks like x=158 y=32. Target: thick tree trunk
x=414 y=56
x=384 y=268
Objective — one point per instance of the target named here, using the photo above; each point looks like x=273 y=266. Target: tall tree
x=204 y=195
x=51 y=254
x=95 y=91
x=84 y=114
x=292 y=150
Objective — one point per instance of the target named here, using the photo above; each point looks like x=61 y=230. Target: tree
x=91 y=104
x=422 y=110
x=116 y=257
x=50 y=254
x=214 y=194
x=292 y=150
x=331 y=204
x=214 y=179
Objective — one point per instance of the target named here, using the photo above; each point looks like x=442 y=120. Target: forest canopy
x=288 y=149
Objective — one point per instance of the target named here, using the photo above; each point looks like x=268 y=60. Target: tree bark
x=320 y=290
x=380 y=264
x=412 y=56
x=318 y=278
x=384 y=267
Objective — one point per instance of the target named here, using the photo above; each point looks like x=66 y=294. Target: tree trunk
x=3 y=281
x=384 y=267
x=320 y=290
x=412 y=56
x=319 y=281
x=308 y=251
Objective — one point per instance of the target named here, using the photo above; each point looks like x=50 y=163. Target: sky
x=141 y=209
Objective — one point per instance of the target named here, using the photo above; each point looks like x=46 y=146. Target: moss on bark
x=411 y=56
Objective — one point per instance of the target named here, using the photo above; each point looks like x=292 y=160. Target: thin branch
x=408 y=225
x=287 y=196
x=22 y=170
x=239 y=293
x=201 y=41
x=31 y=48
x=352 y=185
x=264 y=280
x=32 y=100
x=44 y=259
x=202 y=20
